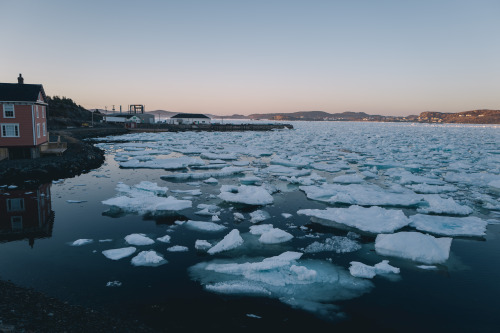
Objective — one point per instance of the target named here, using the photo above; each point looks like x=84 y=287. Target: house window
x=37 y=115
x=10 y=130
x=38 y=130
x=15 y=205
x=17 y=223
x=8 y=111
x=43 y=111
x=44 y=130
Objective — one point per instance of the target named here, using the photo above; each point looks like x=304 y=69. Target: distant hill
x=63 y=112
x=467 y=117
x=314 y=116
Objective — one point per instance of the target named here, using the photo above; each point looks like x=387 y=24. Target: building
x=135 y=115
x=23 y=119
x=189 y=118
x=26 y=214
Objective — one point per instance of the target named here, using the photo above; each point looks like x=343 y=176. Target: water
x=459 y=295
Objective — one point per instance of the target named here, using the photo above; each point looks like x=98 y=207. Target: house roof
x=15 y=92
x=190 y=115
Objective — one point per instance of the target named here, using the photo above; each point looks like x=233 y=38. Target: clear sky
x=391 y=57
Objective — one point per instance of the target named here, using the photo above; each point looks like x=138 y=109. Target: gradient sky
x=223 y=57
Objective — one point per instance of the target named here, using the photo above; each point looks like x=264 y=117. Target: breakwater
x=208 y=127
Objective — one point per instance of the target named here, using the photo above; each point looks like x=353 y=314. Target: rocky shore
x=26 y=310
x=78 y=158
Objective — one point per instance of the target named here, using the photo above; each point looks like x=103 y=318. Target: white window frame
x=44 y=129
x=15 y=205
x=5 y=110
x=38 y=131
x=37 y=114
x=3 y=129
x=43 y=111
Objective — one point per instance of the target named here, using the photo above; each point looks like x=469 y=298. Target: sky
x=388 y=57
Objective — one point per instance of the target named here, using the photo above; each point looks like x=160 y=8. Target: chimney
x=20 y=79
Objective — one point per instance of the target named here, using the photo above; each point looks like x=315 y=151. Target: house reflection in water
x=26 y=214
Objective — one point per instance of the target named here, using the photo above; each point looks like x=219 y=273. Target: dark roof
x=15 y=92
x=190 y=115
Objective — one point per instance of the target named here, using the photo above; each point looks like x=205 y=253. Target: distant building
x=23 y=119
x=189 y=118
x=140 y=118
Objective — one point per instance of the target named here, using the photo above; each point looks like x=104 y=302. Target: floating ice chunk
x=238 y=288
x=151 y=187
x=148 y=258
x=178 y=248
x=314 y=178
x=231 y=241
x=427 y=267
x=280 y=170
x=260 y=229
x=164 y=239
x=294 y=161
x=114 y=284
x=495 y=184
x=105 y=240
x=251 y=315
x=202 y=245
x=348 y=179
x=363 y=195
x=138 y=239
x=117 y=254
x=80 y=242
x=215 y=218
x=204 y=226
x=303 y=273
x=213 y=156
x=328 y=167
x=373 y=219
x=336 y=244
x=75 y=201
x=432 y=189
x=190 y=192
x=227 y=171
x=142 y=201
x=238 y=216
x=259 y=216
x=241 y=163
x=311 y=284
x=359 y=269
x=414 y=246
x=211 y=181
x=246 y=194
x=250 y=180
x=449 y=226
x=404 y=177
x=286 y=215
x=208 y=210
x=11 y=187
x=167 y=163
x=275 y=236
x=438 y=205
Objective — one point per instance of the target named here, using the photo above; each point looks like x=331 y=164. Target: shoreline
x=80 y=157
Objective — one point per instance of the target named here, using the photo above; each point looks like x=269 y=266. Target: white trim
x=9 y=136
x=44 y=128
x=37 y=113
x=38 y=131
x=33 y=124
x=13 y=111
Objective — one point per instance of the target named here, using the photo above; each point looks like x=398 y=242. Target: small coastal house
x=23 y=119
x=189 y=118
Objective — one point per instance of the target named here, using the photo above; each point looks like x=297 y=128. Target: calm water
x=460 y=295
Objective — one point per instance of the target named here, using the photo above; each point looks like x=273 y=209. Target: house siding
x=23 y=118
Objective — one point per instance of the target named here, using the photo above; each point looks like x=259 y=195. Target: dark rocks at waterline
x=78 y=158
x=26 y=310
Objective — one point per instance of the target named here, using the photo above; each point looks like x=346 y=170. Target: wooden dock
x=208 y=127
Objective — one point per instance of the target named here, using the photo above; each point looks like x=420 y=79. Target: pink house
x=23 y=119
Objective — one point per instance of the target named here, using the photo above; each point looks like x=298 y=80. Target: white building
x=189 y=118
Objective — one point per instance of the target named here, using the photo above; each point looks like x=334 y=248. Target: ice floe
x=438 y=205
x=138 y=239
x=449 y=226
x=337 y=244
x=204 y=226
x=80 y=242
x=167 y=163
x=361 y=270
x=414 y=246
x=178 y=248
x=117 y=254
x=246 y=194
x=259 y=216
x=148 y=258
x=363 y=195
x=231 y=241
x=372 y=220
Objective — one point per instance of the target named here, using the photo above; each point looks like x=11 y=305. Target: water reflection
x=26 y=214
